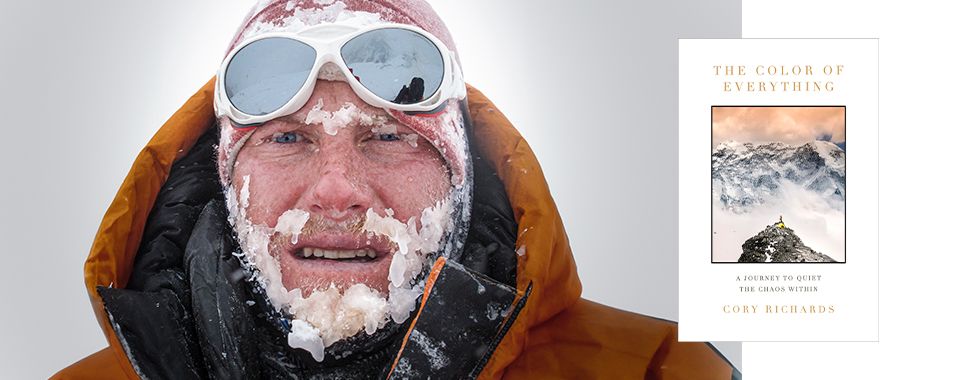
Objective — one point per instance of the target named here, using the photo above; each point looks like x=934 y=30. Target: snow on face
x=333 y=122
x=329 y=315
x=326 y=12
x=291 y=223
x=336 y=226
x=405 y=262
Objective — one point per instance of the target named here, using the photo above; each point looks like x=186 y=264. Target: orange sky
x=790 y=125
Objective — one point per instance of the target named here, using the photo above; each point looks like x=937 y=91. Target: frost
x=367 y=304
x=349 y=113
x=233 y=205
x=337 y=315
x=402 y=302
x=431 y=348
x=378 y=122
x=330 y=315
x=331 y=72
x=316 y=113
x=522 y=250
x=411 y=138
x=291 y=223
x=493 y=311
x=333 y=122
x=245 y=192
x=433 y=222
x=304 y=336
x=412 y=245
x=303 y=18
x=398 y=265
x=255 y=240
x=393 y=229
x=403 y=367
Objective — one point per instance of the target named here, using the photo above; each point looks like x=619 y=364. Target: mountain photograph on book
x=778 y=178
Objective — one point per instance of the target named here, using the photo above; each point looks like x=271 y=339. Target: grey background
x=592 y=88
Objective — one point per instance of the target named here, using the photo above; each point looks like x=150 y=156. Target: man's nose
x=337 y=196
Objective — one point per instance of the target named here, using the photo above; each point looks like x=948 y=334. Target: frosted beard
x=321 y=316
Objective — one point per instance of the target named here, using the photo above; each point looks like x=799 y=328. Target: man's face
x=336 y=158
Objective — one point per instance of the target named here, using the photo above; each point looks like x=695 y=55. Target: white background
x=706 y=287
x=85 y=84
x=918 y=190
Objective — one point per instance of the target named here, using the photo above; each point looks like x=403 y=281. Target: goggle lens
x=267 y=73
x=397 y=65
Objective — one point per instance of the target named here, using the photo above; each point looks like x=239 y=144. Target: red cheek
x=407 y=183
x=270 y=194
x=425 y=184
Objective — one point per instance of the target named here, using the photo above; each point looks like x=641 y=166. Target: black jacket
x=190 y=312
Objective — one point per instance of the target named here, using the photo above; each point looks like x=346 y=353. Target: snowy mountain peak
x=746 y=175
x=730 y=145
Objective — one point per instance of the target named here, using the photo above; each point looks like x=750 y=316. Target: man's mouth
x=341 y=248
x=323 y=258
x=359 y=255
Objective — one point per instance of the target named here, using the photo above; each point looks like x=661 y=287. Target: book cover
x=773 y=247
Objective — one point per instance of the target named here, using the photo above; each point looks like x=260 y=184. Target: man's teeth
x=339 y=253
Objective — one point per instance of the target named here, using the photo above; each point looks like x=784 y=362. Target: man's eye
x=286 y=137
x=388 y=137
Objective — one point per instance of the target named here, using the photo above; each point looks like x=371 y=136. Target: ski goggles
x=390 y=66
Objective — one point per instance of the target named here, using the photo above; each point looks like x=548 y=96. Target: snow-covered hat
x=444 y=130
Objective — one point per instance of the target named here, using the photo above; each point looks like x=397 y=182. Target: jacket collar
x=544 y=258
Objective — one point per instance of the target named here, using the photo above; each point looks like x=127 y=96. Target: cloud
x=814 y=220
x=790 y=125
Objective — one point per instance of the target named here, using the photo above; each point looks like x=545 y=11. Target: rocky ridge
x=779 y=244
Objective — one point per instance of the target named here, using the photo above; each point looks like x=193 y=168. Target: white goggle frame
x=328 y=40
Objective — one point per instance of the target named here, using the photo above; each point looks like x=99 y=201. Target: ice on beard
x=306 y=337
x=398 y=266
x=330 y=315
x=291 y=222
x=403 y=301
x=254 y=241
x=339 y=315
x=433 y=222
x=371 y=307
x=407 y=262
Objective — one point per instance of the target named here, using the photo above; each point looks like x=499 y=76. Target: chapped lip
x=343 y=241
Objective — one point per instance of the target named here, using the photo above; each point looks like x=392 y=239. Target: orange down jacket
x=557 y=335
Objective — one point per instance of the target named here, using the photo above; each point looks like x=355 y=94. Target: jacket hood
x=544 y=259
